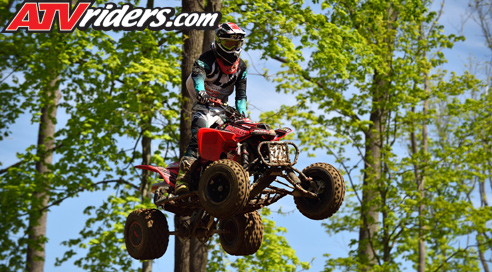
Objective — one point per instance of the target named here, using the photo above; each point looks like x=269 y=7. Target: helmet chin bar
x=228 y=69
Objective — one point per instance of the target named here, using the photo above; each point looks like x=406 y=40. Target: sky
x=307 y=237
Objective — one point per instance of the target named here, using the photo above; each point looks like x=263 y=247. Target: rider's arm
x=201 y=68
x=241 y=90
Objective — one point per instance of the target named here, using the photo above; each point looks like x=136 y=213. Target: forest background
x=393 y=93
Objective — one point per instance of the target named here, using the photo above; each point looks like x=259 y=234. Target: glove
x=202 y=97
x=241 y=105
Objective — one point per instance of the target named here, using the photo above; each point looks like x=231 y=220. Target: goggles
x=231 y=44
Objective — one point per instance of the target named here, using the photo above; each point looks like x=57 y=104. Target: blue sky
x=306 y=236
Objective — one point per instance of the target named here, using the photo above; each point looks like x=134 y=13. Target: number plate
x=278 y=153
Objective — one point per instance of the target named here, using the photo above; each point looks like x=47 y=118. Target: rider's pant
x=203 y=117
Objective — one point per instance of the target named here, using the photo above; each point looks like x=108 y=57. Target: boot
x=184 y=176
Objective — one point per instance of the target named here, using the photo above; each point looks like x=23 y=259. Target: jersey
x=207 y=76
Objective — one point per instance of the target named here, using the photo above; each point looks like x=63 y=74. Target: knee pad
x=186 y=162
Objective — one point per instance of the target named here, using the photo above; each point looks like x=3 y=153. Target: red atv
x=239 y=163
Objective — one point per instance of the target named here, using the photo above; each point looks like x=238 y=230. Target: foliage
x=358 y=68
x=102 y=235
x=275 y=253
x=129 y=98
x=361 y=72
x=112 y=87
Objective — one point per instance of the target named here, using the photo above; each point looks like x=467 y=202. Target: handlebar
x=231 y=112
x=214 y=102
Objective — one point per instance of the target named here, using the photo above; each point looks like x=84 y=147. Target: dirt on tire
x=330 y=188
x=223 y=189
x=243 y=234
x=146 y=234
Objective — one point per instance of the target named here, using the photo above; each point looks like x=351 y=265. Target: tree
x=483 y=11
x=46 y=136
x=33 y=177
x=133 y=101
x=37 y=220
x=186 y=250
x=275 y=253
x=111 y=91
x=191 y=255
x=483 y=14
x=364 y=81
x=356 y=75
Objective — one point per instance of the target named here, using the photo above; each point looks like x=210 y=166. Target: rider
x=214 y=75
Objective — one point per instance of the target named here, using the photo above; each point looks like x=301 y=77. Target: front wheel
x=223 y=189
x=146 y=234
x=327 y=183
x=242 y=234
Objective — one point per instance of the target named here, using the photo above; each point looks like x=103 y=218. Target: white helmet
x=227 y=46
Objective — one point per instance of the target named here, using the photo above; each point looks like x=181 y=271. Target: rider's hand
x=203 y=97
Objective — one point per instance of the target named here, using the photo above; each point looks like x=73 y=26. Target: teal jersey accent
x=203 y=65
x=241 y=106
x=199 y=83
x=199 y=79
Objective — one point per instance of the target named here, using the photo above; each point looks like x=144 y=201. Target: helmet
x=227 y=46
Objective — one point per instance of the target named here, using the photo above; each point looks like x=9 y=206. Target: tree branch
x=318 y=83
x=59 y=201
x=3 y=171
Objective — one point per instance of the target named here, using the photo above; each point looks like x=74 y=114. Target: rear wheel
x=146 y=234
x=223 y=188
x=327 y=183
x=242 y=234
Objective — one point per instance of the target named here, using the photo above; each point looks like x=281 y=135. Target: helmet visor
x=231 y=44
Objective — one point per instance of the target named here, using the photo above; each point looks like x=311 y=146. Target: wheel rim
x=218 y=188
x=320 y=190
x=135 y=234
x=230 y=233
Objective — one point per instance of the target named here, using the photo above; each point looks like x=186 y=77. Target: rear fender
x=281 y=133
x=212 y=143
x=165 y=173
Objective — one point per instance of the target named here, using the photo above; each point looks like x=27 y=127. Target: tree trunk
x=209 y=37
x=420 y=182
x=372 y=175
x=181 y=248
x=192 y=48
x=146 y=160
x=37 y=222
x=187 y=251
x=199 y=250
x=196 y=42
x=144 y=185
x=421 y=185
x=374 y=142
x=373 y=171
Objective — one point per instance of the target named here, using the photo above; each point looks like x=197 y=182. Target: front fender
x=212 y=143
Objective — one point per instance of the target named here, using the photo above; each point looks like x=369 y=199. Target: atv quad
x=236 y=174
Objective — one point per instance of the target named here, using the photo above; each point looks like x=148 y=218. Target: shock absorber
x=244 y=155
